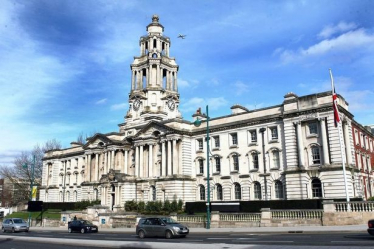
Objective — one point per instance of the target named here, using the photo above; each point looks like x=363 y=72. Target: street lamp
x=262 y=130
x=197 y=123
x=25 y=166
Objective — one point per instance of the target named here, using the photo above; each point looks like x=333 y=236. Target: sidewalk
x=297 y=229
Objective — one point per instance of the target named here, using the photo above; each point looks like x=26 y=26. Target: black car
x=371 y=227
x=83 y=226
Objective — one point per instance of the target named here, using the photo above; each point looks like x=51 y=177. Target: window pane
x=218 y=164
x=219 y=192
x=234 y=139
x=257 y=190
x=255 y=160
x=201 y=166
x=276 y=161
x=253 y=136
x=312 y=128
x=202 y=192
x=316 y=188
x=216 y=142
x=274 y=133
x=235 y=162
x=315 y=155
x=238 y=192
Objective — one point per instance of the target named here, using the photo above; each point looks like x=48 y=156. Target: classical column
x=126 y=161
x=175 y=81
x=168 y=80
x=141 y=161
x=300 y=145
x=169 y=158
x=137 y=161
x=105 y=162
x=180 y=166
x=89 y=167
x=150 y=75
x=326 y=157
x=158 y=82
x=96 y=167
x=163 y=159
x=112 y=160
x=347 y=143
x=150 y=161
x=103 y=195
x=133 y=80
x=147 y=76
x=175 y=157
x=141 y=79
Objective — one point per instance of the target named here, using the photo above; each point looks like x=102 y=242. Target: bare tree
x=21 y=173
x=82 y=139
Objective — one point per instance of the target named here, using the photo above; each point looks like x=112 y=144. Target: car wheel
x=168 y=234
x=83 y=231
x=27 y=231
x=69 y=230
x=13 y=231
x=141 y=234
x=183 y=236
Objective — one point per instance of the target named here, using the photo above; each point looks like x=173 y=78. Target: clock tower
x=154 y=88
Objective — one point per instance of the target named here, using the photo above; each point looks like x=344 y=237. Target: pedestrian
x=75 y=217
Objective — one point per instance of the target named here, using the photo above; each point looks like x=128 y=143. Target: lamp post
x=197 y=123
x=262 y=130
x=25 y=166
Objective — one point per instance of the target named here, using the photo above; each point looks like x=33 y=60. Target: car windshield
x=169 y=221
x=86 y=222
x=18 y=221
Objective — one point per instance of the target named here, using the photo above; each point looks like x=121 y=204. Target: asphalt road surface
x=338 y=240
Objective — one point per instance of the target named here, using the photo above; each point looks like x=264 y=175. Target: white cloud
x=357 y=39
x=194 y=103
x=101 y=101
x=341 y=27
x=183 y=83
x=121 y=106
x=241 y=87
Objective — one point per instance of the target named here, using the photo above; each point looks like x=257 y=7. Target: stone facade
x=287 y=151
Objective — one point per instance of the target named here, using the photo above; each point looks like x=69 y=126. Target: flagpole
x=341 y=142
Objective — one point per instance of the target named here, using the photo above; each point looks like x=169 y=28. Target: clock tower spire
x=154 y=86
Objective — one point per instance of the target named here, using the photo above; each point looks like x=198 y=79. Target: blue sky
x=65 y=65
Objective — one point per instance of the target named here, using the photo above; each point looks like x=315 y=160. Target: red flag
x=334 y=102
x=336 y=110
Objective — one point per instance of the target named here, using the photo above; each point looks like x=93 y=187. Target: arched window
x=67 y=196
x=238 y=191
x=153 y=193
x=60 y=196
x=235 y=162
x=316 y=155
x=219 y=192
x=255 y=160
x=154 y=55
x=201 y=166
x=75 y=196
x=202 y=193
x=276 y=160
x=279 y=190
x=316 y=188
x=257 y=191
x=217 y=161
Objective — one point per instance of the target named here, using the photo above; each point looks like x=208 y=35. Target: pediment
x=99 y=140
x=153 y=129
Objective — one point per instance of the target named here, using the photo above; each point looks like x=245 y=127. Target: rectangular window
x=274 y=133
x=216 y=142
x=276 y=161
x=200 y=144
x=218 y=164
x=312 y=128
x=234 y=139
x=253 y=136
x=356 y=137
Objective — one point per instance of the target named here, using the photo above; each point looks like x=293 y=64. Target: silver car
x=160 y=227
x=15 y=225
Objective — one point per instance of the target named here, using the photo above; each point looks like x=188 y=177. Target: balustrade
x=296 y=214
x=355 y=206
x=240 y=217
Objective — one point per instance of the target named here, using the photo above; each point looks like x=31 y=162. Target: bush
x=371 y=198
x=131 y=206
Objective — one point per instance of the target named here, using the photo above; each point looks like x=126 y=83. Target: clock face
x=136 y=104
x=171 y=104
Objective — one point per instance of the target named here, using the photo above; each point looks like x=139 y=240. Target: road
x=263 y=240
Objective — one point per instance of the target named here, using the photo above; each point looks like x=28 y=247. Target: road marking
x=246 y=238
x=216 y=238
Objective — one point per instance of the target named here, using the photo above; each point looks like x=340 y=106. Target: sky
x=65 y=64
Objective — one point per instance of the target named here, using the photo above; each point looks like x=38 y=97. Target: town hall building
x=287 y=151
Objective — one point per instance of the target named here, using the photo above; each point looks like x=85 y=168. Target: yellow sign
x=34 y=190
